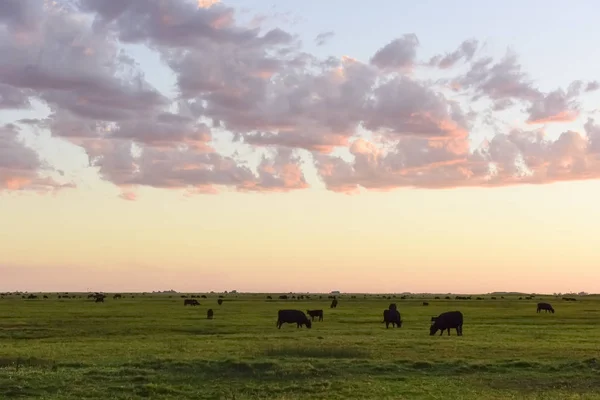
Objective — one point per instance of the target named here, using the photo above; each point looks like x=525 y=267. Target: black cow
x=190 y=302
x=425 y=303
x=446 y=321
x=117 y=296
x=314 y=314
x=545 y=306
x=334 y=303
x=293 y=317
x=392 y=316
x=220 y=301
x=210 y=314
x=100 y=299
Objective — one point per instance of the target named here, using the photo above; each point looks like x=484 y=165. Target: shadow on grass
x=316 y=352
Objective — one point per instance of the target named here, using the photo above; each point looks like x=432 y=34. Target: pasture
x=151 y=346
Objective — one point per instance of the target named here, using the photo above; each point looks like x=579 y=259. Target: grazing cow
x=117 y=296
x=392 y=316
x=447 y=297
x=220 y=301
x=545 y=306
x=45 y=296
x=293 y=317
x=32 y=297
x=425 y=303
x=314 y=314
x=446 y=321
x=269 y=298
x=283 y=297
x=203 y=296
x=190 y=302
x=99 y=299
x=437 y=297
x=210 y=314
x=334 y=303
x=493 y=298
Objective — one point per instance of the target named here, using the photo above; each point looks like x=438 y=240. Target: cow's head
x=433 y=329
x=308 y=323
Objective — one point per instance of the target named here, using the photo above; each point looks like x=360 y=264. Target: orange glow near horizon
x=526 y=238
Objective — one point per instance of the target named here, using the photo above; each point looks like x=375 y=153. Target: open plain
x=152 y=346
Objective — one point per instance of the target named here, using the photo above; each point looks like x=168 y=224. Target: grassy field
x=151 y=346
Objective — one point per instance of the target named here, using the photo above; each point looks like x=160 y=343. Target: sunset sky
x=386 y=146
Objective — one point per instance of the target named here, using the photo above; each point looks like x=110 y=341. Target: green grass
x=154 y=347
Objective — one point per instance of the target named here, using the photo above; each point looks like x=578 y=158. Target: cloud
x=556 y=106
x=378 y=124
x=399 y=54
x=20 y=166
x=466 y=50
x=324 y=37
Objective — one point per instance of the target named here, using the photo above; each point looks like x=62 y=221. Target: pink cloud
x=258 y=86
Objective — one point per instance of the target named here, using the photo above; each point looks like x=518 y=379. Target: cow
x=210 y=314
x=99 y=299
x=334 y=303
x=545 y=306
x=117 y=296
x=425 y=303
x=446 y=321
x=203 y=296
x=392 y=316
x=190 y=302
x=293 y=317
x=314 y=314
x=220 y=301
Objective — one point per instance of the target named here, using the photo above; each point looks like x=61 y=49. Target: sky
x=299 y=146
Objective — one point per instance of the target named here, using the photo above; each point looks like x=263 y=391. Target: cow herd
x=391 y=316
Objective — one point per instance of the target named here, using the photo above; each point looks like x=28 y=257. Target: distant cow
x=392 y=316
x=545 y=306
x=210 y=314
x=314 y=314
x=269 y=298
x=117 y=296
x=334 y=303
x=190 y=302
x=99 y=299
x=220 y=301
x=203 y=296
x=283 y=297
x=446 y=321
x=425 y=303
x=293 y=317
